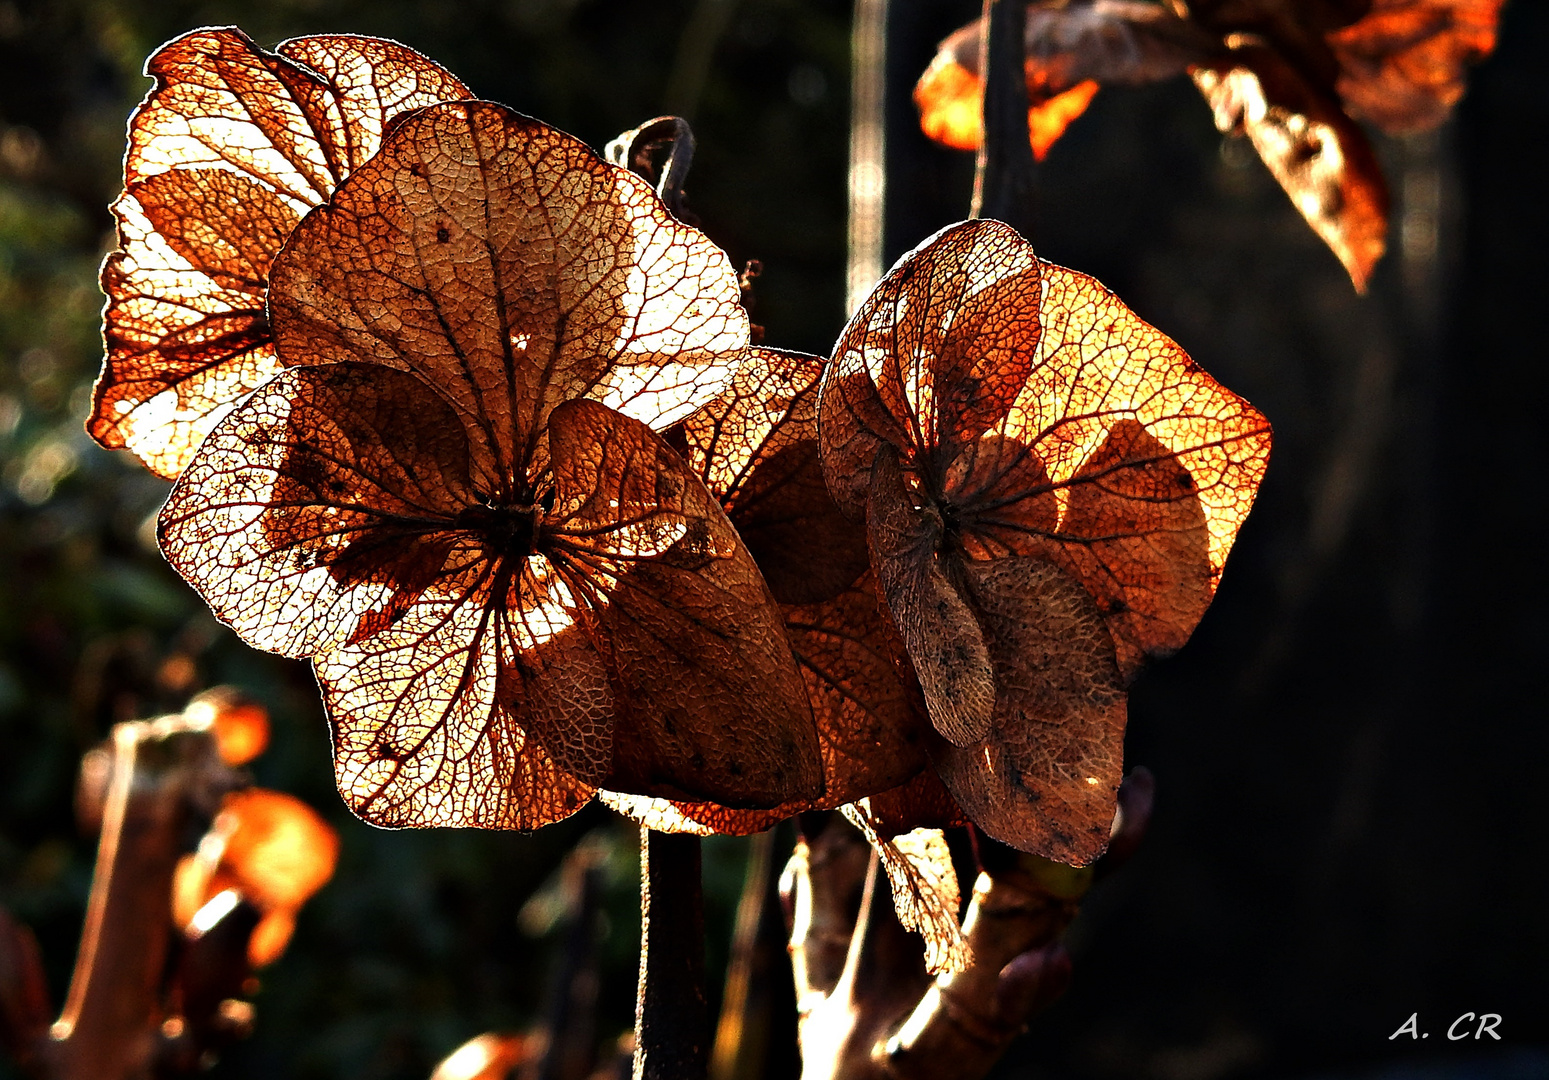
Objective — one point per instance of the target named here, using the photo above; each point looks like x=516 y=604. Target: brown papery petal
x=230 y=148
x=939 y=630
x=1135 y=535
x=710 y=703
x=1044 y=778
x=1317 y=153
x=870 y=730
x=321 y=507
x=428 y=728
x=870 y=726
x=1402 y=65
x=926 y=896
x=933 y=358
x=756 y=449
x=513 y=269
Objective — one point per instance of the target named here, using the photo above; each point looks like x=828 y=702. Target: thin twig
x=671 y=1018
x=1003 y=174
x=739 y=1040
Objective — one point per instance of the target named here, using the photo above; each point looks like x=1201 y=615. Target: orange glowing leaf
x=1071 y=49
x=1317 y=153
x=270 y=937
x=1037 y=533
x=951 y=103
x=1047 y=121
x=230 y=148
x=271 y=849
x=279 y=852
x=1401 y=66
x=491 y=1056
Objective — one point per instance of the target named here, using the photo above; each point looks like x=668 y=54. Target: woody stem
x=1003 y=174
x=672 y=1028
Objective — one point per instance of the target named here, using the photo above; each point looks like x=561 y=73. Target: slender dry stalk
x=672 y=1030
x=1003 y=173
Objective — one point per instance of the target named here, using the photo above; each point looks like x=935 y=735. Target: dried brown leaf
x=230 y=148
x=1317 y=153
x=926 y=896
x=1402 y=65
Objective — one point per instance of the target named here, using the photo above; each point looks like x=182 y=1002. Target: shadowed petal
x=710 y=703
x=322 y=506
x=1044 y=778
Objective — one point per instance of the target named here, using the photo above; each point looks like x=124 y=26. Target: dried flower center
x=506 y=530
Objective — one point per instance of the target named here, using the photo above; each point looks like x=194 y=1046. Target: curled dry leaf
x=1288 y=74
x=1401 y=66
x=1072 y=49
x=1051 y=488
x=926 y=896
x=1314 y=150
x=227 y=152
x=756 y=449
x=513 y=591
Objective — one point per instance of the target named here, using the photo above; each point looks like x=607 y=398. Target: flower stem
x=672 y=1029
x=1003 y=174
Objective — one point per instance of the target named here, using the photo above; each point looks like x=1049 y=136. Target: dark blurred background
x=1350 y=823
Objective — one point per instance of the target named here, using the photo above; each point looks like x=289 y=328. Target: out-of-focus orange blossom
x=269 y=847
x=491 y=1056
x=951 y=102
x=240 y=726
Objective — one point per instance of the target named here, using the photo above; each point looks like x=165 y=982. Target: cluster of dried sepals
x=1295 y=76
x=462 y=414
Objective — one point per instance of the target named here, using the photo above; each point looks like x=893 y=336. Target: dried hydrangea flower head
x=513 y=591
x=1050 y=488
